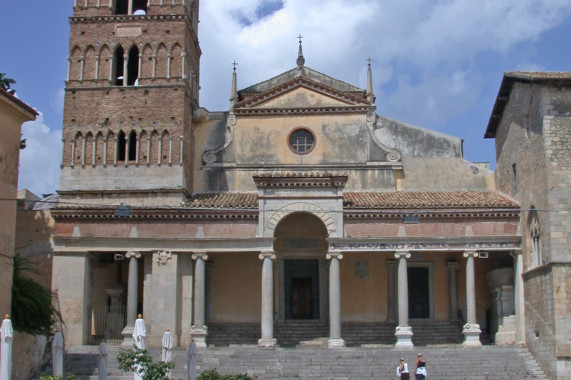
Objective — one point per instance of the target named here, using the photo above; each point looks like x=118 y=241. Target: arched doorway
x=301 y=247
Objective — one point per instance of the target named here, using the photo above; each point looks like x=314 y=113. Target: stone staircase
x=453 y=361
x=293 y=333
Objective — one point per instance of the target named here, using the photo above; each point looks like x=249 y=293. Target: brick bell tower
x=133 y=80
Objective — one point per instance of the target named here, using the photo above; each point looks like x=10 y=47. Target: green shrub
x=50 y=377
x=32 y=308
x=140 y=360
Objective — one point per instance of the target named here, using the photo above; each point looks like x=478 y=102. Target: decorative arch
x=104 y=59
x=176 y=61
x=89 y=64
x=111 y=146
x=306 y=207
x=161 y=61
x=143 y=146
x=147 y=62
x=75 y=63
x=153 y=148
x=89 y=149
x=99 y=142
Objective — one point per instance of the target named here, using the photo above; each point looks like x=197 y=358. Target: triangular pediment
x=301 y=92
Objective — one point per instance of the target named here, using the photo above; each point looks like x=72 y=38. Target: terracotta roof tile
x=538 y=75
x=223 y=200
x=370 y=200
x=426 y=199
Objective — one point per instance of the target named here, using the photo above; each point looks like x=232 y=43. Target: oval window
x=301 y=141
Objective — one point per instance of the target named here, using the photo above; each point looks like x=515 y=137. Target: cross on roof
x=300 y=37
x=369 y=60
x=234 y=64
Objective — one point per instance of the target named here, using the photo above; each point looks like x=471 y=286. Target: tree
x=6 y=83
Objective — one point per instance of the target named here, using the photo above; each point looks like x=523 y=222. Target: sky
x=437 y=64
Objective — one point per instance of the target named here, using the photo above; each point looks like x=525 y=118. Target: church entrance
x=301 y=289
x=418 y=292
x=301 y=247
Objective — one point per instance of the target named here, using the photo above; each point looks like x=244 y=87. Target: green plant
x=50 y=377
x=32 y=308
x=214 y=375
x=140 y=361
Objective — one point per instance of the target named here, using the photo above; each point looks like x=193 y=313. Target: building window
x=535 y=238
x=514 y=179
x=301 y=141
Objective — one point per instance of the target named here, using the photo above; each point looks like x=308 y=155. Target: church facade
x=297 y=216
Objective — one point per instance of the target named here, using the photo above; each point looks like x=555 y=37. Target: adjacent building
x=13 y=112
x=531 y=124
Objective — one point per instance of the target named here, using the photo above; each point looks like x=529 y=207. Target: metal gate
x=107 y=323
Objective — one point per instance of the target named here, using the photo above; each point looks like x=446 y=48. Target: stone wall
x=33 y=349
x=534 y=166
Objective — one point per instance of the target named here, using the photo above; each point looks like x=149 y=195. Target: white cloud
x=40 y=161
x=426 y=53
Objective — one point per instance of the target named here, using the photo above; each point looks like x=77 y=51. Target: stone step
x=346 y=363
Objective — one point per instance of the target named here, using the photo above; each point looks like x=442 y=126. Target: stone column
x=519 y=298
x=403 y=332
x=452 y=268
x=125 y=69
x=334 y=301
x=199 y=330
x=132 y=298
x=267 y=339
x=471 y=328
x=391 y=312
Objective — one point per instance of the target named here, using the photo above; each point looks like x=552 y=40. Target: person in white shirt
x=402 y=370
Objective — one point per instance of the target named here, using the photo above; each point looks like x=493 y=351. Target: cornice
x=309 y=180
x=304 y=82
x=301 y=111
x=108 y=213
x=433 y=213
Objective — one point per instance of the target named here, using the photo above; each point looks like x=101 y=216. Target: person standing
x=420 y=368
x=402 y=370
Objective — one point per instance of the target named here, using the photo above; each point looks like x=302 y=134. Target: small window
x=535 y=237
x=301 y=141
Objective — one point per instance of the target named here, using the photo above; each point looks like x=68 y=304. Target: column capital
x=135 y=254
x=452 y=265
x=202 y=255
x=471 y=253
x=516 y=252
x=267 y=254
x=402 y=254
x=334 y=255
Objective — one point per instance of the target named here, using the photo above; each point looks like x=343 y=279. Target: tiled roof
x=223 y=200
x=538 y=75
x=426 y=199
x=371 y=200
x=17 y=101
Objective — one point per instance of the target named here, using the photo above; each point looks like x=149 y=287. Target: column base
x=404 y=337
x=472 y=335
x=335 y=343
x=128 y=341
x=199 y=335
x=267 y=342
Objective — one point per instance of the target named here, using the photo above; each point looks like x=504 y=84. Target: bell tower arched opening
x=301 y=247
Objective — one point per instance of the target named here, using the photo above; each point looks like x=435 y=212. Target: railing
x=107 y=323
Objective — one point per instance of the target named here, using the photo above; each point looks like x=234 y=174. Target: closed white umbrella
x=103 y=353
x=57 y=354
x=6 y=335
x=191 y=360
x=167 y=343
x=139 y=334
